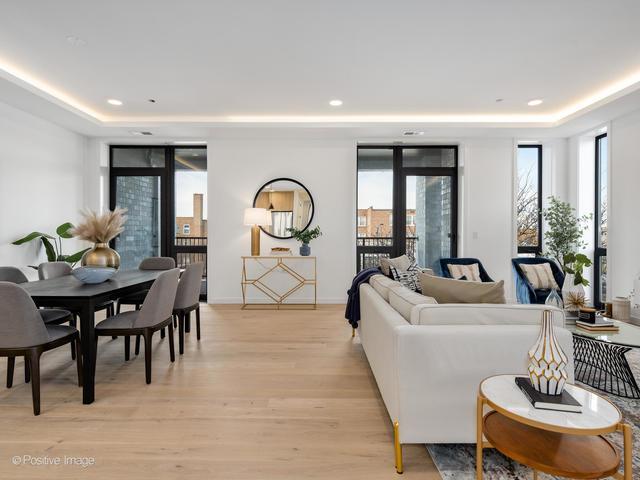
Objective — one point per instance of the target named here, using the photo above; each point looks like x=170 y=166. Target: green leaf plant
x=305 y=236
x=53 y=244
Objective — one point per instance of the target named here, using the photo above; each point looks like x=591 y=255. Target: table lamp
x=256 y=218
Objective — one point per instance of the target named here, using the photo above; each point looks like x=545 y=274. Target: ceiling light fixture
x=535 y=102
x=335 y=103
x=141 y=133
x=113 y=101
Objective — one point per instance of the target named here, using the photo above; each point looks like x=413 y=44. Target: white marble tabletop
x=597 y=412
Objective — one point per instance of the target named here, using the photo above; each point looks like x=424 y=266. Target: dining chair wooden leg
x=11 y=363
x=198 y=323
x=118 y=308
x=127 y=348
x=175 y=321
x=137 y=344
x=172 y=349
x=181 y=333
x=34 y=366
x=162 y=334
x=27 y=370
x=147 y=355
x=76 y=344
x=187 y=322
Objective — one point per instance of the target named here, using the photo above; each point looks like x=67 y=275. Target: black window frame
x=598 y=251
x=535 y=250
x=398 y=210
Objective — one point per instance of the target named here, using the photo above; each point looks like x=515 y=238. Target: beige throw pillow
x=449 y=290
x=471 y=272
x=401 y=264
x=540 y=275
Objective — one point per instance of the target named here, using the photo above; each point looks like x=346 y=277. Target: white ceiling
x=233 y=61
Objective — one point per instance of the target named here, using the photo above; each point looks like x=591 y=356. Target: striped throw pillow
x=471 y=271
x=540 y=276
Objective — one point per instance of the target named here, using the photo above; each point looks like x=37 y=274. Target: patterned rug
x=458 y=461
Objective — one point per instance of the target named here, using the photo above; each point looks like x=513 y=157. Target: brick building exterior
x=195 y=226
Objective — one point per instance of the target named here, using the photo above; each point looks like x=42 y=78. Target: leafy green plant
x=53 y=244
x=564 y=237
x=575 y=263
x=305 y=236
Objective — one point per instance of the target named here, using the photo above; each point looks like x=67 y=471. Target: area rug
x=456 y=461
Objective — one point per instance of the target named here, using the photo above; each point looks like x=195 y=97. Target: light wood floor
x=263 y=395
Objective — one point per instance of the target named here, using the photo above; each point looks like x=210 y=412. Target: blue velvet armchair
x=444 y=269
x=524 y=290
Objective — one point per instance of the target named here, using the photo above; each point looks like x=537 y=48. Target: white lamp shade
x=257 y=216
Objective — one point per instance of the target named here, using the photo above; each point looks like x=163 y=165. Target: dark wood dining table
x=68 y=292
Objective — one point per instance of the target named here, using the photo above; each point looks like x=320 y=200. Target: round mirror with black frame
x=290 y=204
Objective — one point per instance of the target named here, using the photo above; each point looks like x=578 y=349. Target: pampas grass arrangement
x=100 y=228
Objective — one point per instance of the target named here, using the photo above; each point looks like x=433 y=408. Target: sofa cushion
x=401 y=263
x=449 y=290
x=483 y=314
x=403 y=300
x=539 y=275
x=471 y=271
x=381 y=284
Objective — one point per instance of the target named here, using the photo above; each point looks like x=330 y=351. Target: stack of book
x=592 y=321
x=563 y=402
x=280 y=251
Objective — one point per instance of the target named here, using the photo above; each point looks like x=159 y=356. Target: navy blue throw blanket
x=352 y=314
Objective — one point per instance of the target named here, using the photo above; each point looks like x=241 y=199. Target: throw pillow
x=449 y=290
x=401 y=263
x=540 y=275
x=471 y=271
x=408 y=279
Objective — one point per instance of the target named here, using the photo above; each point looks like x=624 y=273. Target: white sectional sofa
x=428 y=360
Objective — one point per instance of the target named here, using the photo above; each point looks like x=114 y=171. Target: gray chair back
x=21 y=325
x=13 y=275
x=158 y=304
x=188 y=293
x=49 y=270
x=157 y=263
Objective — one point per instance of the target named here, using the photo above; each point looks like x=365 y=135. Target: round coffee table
x=558 y=443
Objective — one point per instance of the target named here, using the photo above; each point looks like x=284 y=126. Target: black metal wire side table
x=601 y=362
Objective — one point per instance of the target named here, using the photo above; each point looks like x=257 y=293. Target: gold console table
x=276 y=264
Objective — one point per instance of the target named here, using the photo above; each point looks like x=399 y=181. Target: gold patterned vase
x=547 y=361
x=101 y=255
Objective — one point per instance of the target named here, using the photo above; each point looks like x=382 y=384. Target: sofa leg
x=353 y=332
x=397 y=447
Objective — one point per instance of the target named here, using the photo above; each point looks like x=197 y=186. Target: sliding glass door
x=164 y=190
x=407 y=203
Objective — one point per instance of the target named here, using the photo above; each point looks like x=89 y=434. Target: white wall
x=41 y=182
x=623 y=251
x=237 y=168
x=488 y=227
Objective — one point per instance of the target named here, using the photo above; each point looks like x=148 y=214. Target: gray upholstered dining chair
x=23 y=334
x=48 y=270
x=151 y=263
x=50 y=316
x=155 y=314
x=188 y=300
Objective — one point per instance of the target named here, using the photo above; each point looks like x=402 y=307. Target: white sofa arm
x=439 y=370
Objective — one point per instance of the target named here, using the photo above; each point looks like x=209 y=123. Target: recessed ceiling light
x=535 y=102
x=151 y=100
x=113 y=101
x=498 y=100
x=335 y=103
x=141 y=133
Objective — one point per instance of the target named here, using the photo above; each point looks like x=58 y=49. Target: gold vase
x=101 y=255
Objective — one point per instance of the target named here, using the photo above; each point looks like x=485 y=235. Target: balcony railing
x=191 y=241
x=369 y=257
